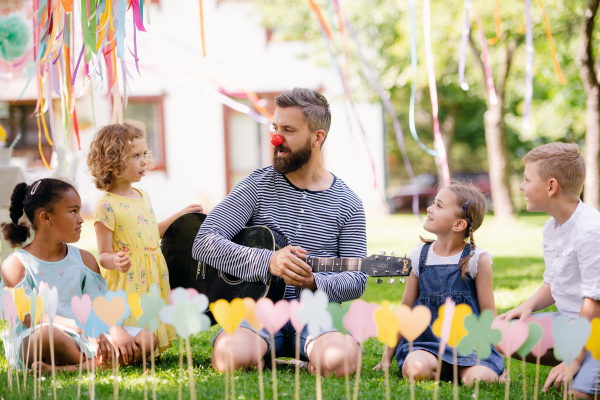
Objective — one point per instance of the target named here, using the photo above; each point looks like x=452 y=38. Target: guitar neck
x=326 y=264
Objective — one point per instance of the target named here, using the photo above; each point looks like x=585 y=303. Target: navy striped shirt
x=328 y=223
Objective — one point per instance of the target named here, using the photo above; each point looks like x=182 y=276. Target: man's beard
x=292 y=161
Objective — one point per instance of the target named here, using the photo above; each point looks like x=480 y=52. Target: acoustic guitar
x=186 y=272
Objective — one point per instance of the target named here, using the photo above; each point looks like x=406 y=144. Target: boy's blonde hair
x=561 y=161
x=110 y=150
x=472 y=207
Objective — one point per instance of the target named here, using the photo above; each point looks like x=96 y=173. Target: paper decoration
x=481 y=336
x=228 y=315
x=133 y=299
x=81 y=308
x=13 y=32
x=255 y=323
x=547 y=341
x=457 y=329
x=10 y=309
x=514 y=334
x=22 y=303
x=151 y=304
x=412 y=323
x=570 y=337
x=298 y=325
x=314 y=312
x=535 y=335
x=109 y=312
x=337 y=312
x=387 y=324
x=593 y=343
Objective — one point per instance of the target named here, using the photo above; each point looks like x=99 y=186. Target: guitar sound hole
x=230 y=279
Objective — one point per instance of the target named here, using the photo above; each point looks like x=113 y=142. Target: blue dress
x=436 y=283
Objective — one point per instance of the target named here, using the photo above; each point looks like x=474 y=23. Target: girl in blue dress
x=448 y=267
x=52 y=207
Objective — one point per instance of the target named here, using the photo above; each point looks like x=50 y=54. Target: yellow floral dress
x=135 y=232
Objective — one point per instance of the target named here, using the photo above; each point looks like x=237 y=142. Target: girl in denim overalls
x=447 y=267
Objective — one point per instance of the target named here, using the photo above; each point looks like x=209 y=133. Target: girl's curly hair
x=110 y=150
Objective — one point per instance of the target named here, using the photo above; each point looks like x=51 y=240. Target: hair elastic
x=35 y=186
x=466 y=205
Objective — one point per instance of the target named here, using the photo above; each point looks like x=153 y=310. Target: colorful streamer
x=561 y=77
x=528 y=64
x=464 y=39
x=413 y=88
x=498 y=22
x=489 y=80
x=438 y=141
x=202 y=30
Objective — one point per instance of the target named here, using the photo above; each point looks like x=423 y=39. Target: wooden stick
x=273 y=367
x=190 y=370
x=93 y=376
x=597 y=375
x=8 y=362
x=261 y=387
x=347 y=376
x=566 y=382
x=52 y=358
x=144 y=366
x=318 y=378
x=524 y=380
x=455 y=372
x=436 y=384
x=25 y=362
x=537 y=377
x=40 y=358
x=34 y=360
x=116 y=374
x=507 y=381
x=232 y=372
x=80 y=363
x=16 y=371
x=386 y=374
x=297 y=372
x=153 y=372
x=180 y=390
x=477 y=381
x=357 y=379
x=411 y=378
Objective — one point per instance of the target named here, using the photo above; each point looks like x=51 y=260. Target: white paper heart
x=201 y=301
x=314 y=312
x=51 y=302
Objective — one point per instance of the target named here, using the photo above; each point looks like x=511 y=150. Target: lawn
x=518 y=266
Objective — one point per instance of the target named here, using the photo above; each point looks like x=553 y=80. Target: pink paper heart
x=10 y=310
x=272 y=316
x=295 y=306
x=81 y=308
x=547 y=341
x=360 y=320
x=514 y=334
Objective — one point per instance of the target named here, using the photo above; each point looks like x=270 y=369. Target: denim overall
x=436 y=283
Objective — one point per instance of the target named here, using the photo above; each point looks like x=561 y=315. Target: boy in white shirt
x=553 y=181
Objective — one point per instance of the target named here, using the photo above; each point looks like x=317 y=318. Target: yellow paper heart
x=251 y=314
x=228 y=315
x=387 y=324
x=22 y=303
x=134 y=304
x=38 y=311
x=109 y=311
x=412 y=322
x=457 y=328
x=593 y=343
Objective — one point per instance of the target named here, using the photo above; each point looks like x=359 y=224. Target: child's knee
x=416 y=369
x=147 y=340
x=479 y=373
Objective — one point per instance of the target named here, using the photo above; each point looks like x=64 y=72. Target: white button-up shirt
x=572 y=258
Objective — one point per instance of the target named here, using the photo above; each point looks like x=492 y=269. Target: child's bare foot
x=40 y=367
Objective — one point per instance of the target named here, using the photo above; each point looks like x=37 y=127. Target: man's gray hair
x=313 y=104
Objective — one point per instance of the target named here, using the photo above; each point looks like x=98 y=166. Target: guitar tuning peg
x=404 y=255
x=381 y=253
x=401 y=280
x=393 y=254
x=378 y=281
x=391 y=280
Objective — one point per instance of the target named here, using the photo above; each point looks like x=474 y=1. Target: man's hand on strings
x=286 y=264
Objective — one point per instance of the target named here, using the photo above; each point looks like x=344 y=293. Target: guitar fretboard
x=333 y=264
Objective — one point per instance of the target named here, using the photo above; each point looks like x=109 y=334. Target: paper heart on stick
x=178 y=294
x=133 y=299
x=535 y=335
x=36 y=307
x=514 y=334
x=151 y=304
x=387 y=324
x=109 y=312
x=200 y=300
x=412 y=323
x=337 y=312
x=593 y=343
x=547 y=341
x=295 y=307
x=314 y=311
x=50 y=300
x=81 y=308
x=570 y=337
x=228 y=315
x=22 y=303
x=480 y=336
x=272 y=316
x=187 y=318
x=120 y=293
x=457 y=327
x=250 y=316
x=10 y=310
x=360 y=320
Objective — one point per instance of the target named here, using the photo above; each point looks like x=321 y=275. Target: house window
x=18 y=118
x=150 y=111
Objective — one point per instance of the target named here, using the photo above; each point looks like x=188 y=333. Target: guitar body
x=186 y=272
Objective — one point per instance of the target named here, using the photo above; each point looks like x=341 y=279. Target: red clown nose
x=276 y=140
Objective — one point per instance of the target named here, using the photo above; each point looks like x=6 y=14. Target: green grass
x=518 y=266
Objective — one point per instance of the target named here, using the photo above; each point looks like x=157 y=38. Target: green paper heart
x=337 y=312
x=481 y=336
x=535 y=335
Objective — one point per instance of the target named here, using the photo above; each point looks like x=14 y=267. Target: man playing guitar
x=316 y=213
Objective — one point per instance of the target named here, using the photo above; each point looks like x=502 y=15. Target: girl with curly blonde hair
x=127 y=232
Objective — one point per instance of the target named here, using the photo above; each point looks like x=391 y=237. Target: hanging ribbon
x=528 y=64
x=438 y=142
x=561 y=78
x=498 y=22
x=489 y=80
x=413 y=88
x=464 y=39
x=202 y=30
